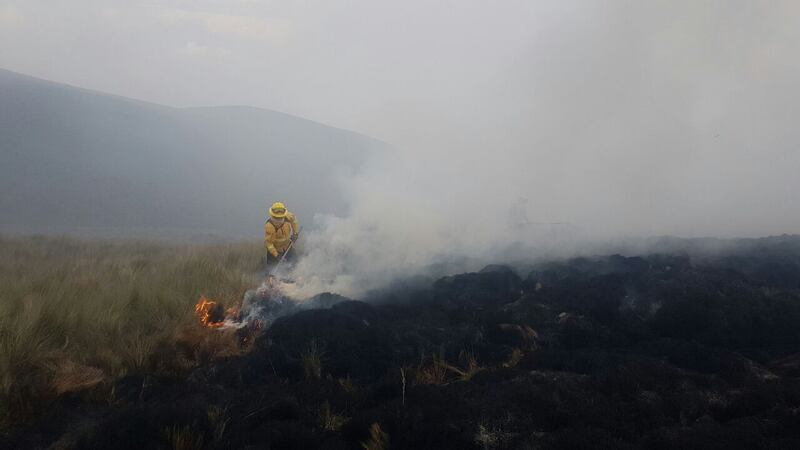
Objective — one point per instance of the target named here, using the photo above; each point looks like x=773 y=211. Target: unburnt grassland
x=78 y=314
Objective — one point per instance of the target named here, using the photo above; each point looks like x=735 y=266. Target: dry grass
x=437 y=371
x=514 y=359
x=378 y=439
x=348 y=385
x=312 y=360
x=329 y=420
x=74 y=312
x=183 y=438
x=219 y=418
x=470 y=366
x=433 y=372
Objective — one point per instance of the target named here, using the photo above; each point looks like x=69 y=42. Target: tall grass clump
x=73 y=309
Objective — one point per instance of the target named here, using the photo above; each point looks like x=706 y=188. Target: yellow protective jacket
x=277 y=239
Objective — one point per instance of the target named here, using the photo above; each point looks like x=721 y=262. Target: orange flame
x=209 y=312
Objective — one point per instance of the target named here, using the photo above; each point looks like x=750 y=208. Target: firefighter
x=280 y=230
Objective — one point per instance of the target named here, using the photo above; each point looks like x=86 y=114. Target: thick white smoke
x=407 y=217
x=637 y=119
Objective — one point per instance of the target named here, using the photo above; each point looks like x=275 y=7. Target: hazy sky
x=356 y=64
x=620 y=117
x=392 y=68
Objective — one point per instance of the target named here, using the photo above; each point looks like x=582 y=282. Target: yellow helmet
x=277 y=210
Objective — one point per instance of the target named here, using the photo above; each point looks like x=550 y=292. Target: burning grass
x=75 y=314
x=210 y=313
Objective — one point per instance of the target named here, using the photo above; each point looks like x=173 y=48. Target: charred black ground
x=655 y=351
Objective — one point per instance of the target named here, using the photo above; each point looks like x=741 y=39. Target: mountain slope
x=73 y=159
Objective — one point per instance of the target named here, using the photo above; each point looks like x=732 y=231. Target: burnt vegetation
x=655 y=351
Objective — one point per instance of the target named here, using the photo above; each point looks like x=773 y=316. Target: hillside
x=77 y=161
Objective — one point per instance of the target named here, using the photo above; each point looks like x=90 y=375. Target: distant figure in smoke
x=280 y=230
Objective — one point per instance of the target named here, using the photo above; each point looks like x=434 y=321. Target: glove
x=294 y=237
x=274 y=253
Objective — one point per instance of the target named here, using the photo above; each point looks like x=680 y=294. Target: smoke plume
x=605 y=122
